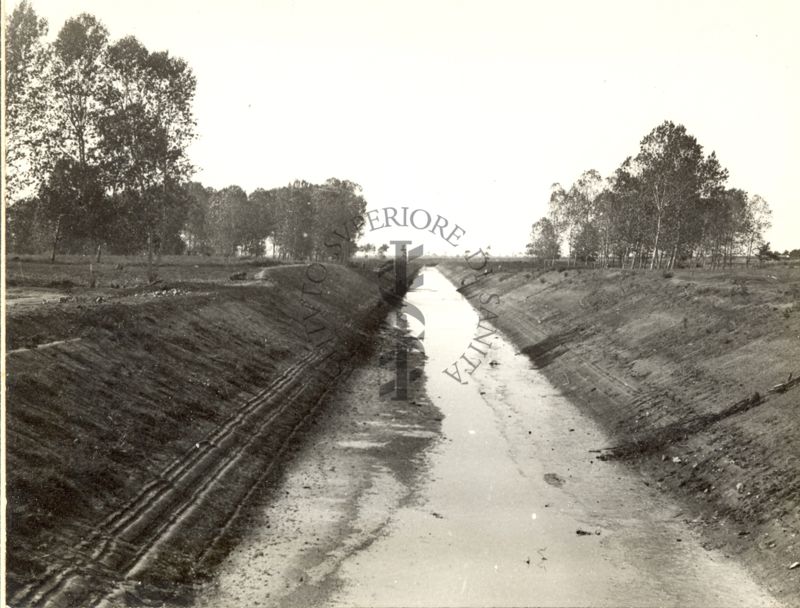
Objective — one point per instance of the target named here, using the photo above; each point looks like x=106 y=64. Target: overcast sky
x=473 y=109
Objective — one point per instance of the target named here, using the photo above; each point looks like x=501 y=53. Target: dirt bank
x=679 y=371
x=139 y=420
x=340 y=492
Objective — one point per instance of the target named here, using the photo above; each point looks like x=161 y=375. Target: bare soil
x=140 y=417
x=120 y=272
x=365 y=456
x=681 y=371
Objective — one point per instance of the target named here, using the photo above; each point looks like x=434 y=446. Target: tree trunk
x=151 y=277
x=99 y=252
x=655 y=242
x=81 y=147
x=55 y=239
x=162 y=222
x=158 y=252
x=730 y=252
x=749 y=250
x=674 y=255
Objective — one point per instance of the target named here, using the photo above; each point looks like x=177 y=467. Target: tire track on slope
x=167 y=492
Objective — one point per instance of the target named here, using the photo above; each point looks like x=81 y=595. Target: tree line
x=668 y=205
x=97 y=136
x=299 y=221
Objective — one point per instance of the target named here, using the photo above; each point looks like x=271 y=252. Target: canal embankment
x=692 y=374
x=141 y=420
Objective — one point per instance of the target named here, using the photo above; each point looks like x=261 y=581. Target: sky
x=472 y=109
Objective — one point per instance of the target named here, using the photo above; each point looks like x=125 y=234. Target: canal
x=477 y=494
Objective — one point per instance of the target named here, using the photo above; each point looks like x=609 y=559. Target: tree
x=79 y=62
x=674 y=174
x=724 y=219
x=339 y=211
x=77 y=76
x=558 y=211
x=606 y=214
x=581 y=205
x=261 y=220
x=132 y=145
x=145 y=129
x=757 y=221
x=682 y=229
x=228 y=219
x=73 y=201
x=27 y=61
x=765 y=253
x=544 y=243
x=196 y=229
x=25 y=232
x=295 y=220
x=170 y=98
x=629 y=225
x=586 y=243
